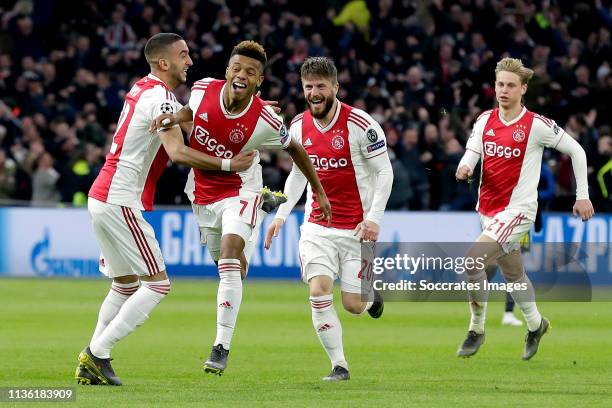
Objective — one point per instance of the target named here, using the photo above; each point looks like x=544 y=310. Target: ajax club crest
x=237 y=134
x=519 y=133
x=337 y=141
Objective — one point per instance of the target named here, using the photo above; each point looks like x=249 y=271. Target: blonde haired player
x=509 y=141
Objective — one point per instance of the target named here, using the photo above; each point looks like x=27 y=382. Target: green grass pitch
x=407 y=358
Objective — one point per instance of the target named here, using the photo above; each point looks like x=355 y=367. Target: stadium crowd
x=423 y=69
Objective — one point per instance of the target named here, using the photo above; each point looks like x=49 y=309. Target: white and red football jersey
x=136 y=158
x=339 y=153
x=219 y=133
x=511 y=160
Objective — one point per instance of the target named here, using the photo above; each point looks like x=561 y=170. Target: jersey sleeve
x=546 y=131
x=197 y=93
x=275 y=133
x=371 y=137
x=474 y=142
x=295 y=134
x=157 y=100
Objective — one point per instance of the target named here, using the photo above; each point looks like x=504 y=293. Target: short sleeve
x=197 y=93
x=370 y=136
x=156 y=101
x=474 y=142
x=275 y=131
x=194 y=100
x=546 y=131
x=295 y=132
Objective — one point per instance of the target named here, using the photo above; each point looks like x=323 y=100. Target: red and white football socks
x=134 y=312
x=328 y=328
x=229 y=298
x=118 y=294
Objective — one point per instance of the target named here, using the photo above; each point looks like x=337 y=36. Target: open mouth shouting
x=317 y=102
x=239 y=86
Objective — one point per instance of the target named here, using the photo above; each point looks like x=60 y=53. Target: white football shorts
x=507 y=228
x=233 y=215
x=332 y=252
x=127 y=240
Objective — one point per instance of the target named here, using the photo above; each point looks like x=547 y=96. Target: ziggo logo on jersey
x=493 y=149
x=211 y=144
x=325 y=163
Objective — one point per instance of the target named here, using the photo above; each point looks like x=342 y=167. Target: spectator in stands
x=7 y=176
x=409 y=63
x=44 y=181
x=410 y=156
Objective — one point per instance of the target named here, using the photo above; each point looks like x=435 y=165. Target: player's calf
x=353 y=303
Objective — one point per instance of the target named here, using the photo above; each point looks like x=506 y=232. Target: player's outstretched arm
x=172 y=139
x=473 y=150
x=168 y=120
x=583 y=206
x=301 y=159
x=294 y=187
x=467 y=164
x=369 y=228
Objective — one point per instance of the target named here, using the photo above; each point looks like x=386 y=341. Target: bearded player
x=348 y=149
x=509 y=141
x=229 y=118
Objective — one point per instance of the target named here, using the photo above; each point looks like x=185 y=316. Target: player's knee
x=318 y=291
x=232 y=246
x=511 y=267
x=320 y=284
x=513 y=274
x=319 y=288
x=127 y=279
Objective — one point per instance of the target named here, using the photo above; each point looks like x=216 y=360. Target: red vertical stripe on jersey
x=501 y=168
x=339 y=182
x=221 y=137
x=157 y=168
